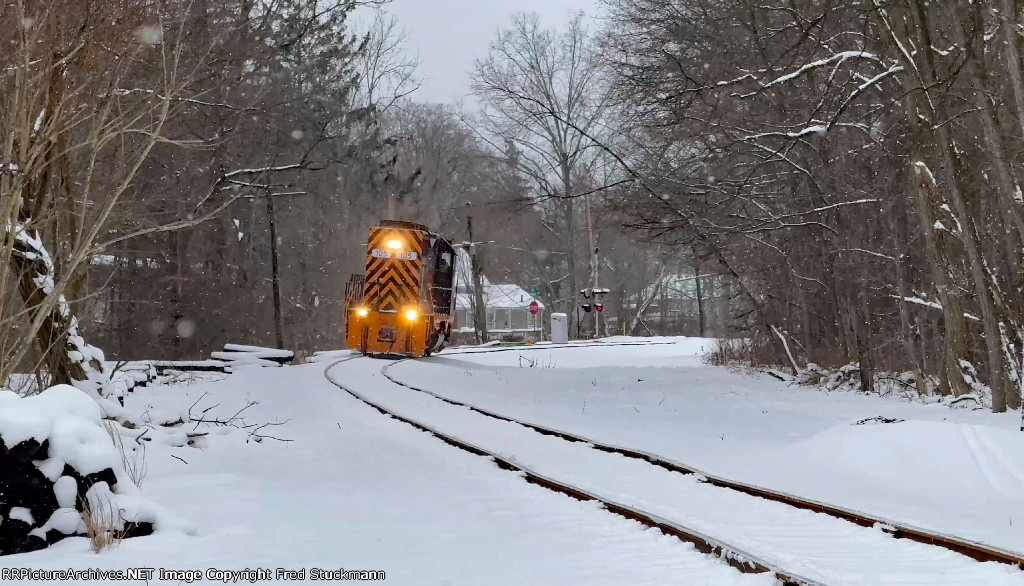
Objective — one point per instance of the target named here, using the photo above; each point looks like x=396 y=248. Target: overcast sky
x=449 y=34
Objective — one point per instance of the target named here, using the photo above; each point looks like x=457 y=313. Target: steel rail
x=734 y=556
x=977 y=551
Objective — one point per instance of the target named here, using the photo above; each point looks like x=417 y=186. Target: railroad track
x=736 y=557
x=752 y=528
x=977 y=551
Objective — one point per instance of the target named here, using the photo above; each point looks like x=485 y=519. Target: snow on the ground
x=954 y=471
x=812 y=545
x=639 y=352
x=68 y=422
x=356 y=490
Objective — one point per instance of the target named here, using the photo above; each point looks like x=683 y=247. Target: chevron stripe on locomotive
x=405 y=302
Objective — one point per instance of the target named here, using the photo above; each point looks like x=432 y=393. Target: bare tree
x=387 y=71
x=542 y=91
x=74 y=142
x=123 y=127
x=785 y=132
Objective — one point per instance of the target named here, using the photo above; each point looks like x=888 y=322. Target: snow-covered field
x=356 y=490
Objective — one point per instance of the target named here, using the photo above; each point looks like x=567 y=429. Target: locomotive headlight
x=411 y=314
x=393 y=244
x=362 y=312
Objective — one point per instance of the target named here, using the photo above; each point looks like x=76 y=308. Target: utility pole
x=479 y=309
x=275 y=262
x=593 y=264
x=274 y=277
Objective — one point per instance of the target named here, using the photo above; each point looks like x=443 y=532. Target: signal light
x=586 y=307
x=411 y=314
x=393 y=244
x=599 y=306
x=362 y=312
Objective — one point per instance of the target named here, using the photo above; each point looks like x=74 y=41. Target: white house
x=508 y=307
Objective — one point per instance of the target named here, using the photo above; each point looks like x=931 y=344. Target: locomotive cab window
x=444 y=277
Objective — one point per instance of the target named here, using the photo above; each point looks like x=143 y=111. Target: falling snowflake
x=149 y=34
x=186 y=328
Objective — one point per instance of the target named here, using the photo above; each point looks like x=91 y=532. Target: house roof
x=495 y=295
x=499 y=295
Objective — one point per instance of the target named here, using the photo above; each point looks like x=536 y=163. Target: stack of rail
x=233 y=355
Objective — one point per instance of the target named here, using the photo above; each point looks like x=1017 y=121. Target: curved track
x=822 y=540
x=735 y=557
x=977 y=551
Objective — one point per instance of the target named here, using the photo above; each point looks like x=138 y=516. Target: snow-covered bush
x=812 y=375
x=729 y=352
x=898 y=384
x=56 y=460
x=845 y=378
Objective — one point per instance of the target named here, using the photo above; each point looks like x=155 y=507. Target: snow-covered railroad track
x=807 y=546
x=735 y=557
x=898 y=530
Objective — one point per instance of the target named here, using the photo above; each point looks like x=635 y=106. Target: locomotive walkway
x=752 y=528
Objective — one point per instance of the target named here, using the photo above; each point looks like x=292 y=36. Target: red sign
x=534 y=307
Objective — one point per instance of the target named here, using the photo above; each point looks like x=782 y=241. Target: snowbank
x=55 y=455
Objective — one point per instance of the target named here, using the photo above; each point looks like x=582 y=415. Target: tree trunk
x=1012 y=60
x=58 y=337
x=862 y=332
x=917 y=102
x=700 y=299
x=907 y=331
x=954 y=328
x=476 y=272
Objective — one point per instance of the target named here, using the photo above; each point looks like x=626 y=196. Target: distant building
x=507 y=309
x=670 y=306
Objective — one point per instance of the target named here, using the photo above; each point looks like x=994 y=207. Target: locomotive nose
x=404 y=301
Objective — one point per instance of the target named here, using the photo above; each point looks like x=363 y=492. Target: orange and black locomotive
x=405 y=303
